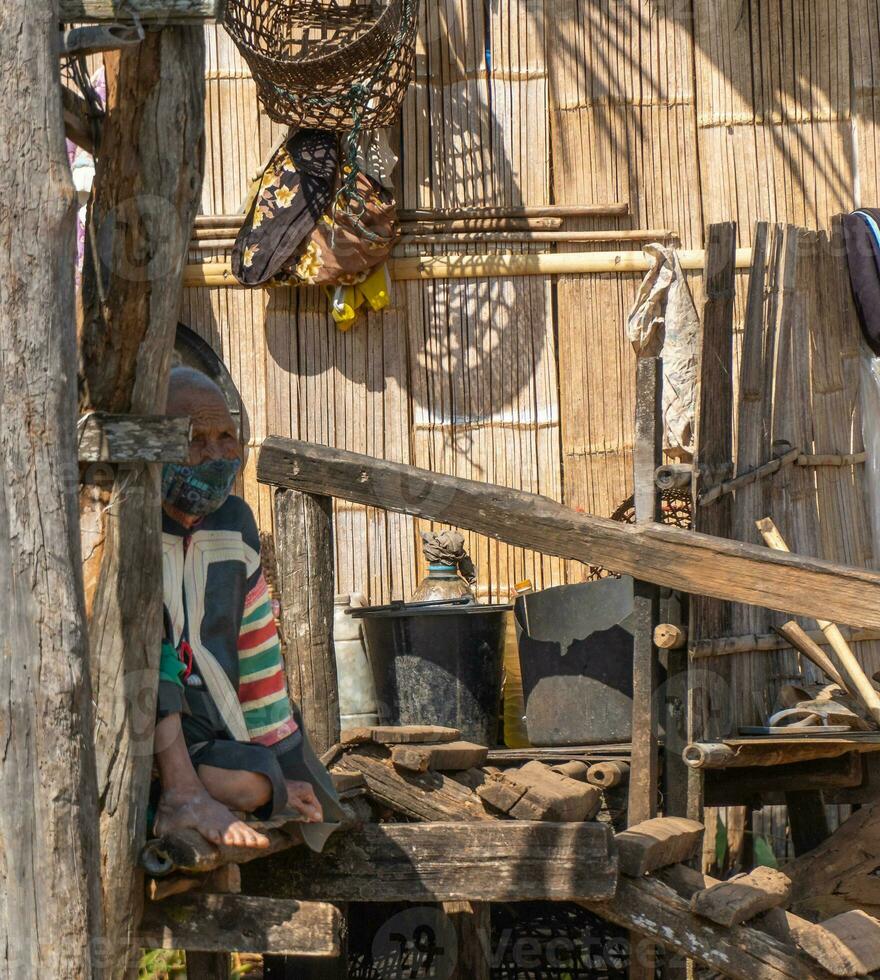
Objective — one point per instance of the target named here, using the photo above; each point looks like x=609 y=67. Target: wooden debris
x=692 y=562
x=608 y=774
x=158 y=889
x=574 y=770
x=743 y=897
x=161 y=12
x=825 y=948
x=420 y=796
x=860 y=934
x=243 y=923
x=793 y=633
x=498 y=861
x=399 y=735
x=448 y=755
x=345 y=781
x=668 y=636
x=657 y=843
x=773 y=750
x=536 y=792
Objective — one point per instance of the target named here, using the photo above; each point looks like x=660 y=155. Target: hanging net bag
x=340 y=65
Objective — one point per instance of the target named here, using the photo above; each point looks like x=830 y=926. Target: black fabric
x=863 y=256
x=224 y=753
x=171 y=700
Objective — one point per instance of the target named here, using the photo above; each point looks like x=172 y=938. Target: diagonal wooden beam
x=684 y=560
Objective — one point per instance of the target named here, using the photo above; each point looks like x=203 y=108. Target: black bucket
x=437 y=664
x=576 y=654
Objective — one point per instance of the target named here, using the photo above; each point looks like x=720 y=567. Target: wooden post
x=472 y=922
x=49 y=889
x=207 y=966
x=304 y=547
x=709 y=687
x=147 y=187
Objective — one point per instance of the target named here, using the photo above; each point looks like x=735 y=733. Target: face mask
x=198 y=490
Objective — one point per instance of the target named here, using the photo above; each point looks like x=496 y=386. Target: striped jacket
x=216 y=600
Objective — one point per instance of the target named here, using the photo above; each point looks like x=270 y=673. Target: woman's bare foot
x=301 y=797
x=197 y=810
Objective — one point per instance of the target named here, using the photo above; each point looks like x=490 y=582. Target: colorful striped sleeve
x=262 y=686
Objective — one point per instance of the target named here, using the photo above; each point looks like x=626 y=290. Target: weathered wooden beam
x=106 y=438
x=449 y=755
x=651 y=908
x=742 y=897
x=657 y=843
x=161 y=13
x=304 y=552
x=244 y=924
x=667 y=556
x=79 y=125
x=50 y=906
x=146 y=192
x=495 y=861
x=772 y=751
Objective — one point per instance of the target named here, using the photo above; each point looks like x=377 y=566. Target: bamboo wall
x=692 y=110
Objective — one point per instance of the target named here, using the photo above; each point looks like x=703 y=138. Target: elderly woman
x=227 y=738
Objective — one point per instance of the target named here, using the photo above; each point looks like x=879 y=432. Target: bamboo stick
x=607 y=774
x=481 y=224
x=771 y=751
x=488 y=266
x=617 y=209
x=800 y=640
x=751 y=476
x=859 y=683
x=767 y=642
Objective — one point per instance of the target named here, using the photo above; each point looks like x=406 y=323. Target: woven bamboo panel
x=623 y=124
x=483 y=382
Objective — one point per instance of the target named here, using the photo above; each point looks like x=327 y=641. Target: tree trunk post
x=304 y=546
x=50 y=910
x=147 y=188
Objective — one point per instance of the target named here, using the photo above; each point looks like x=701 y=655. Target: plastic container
x=576 y=650
x=437 y=664
x=357 y=693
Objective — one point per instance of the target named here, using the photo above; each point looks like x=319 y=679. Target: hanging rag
x=861 y=232
x=664 y=320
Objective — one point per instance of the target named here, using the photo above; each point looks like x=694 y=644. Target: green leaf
x=764 y=856
x=720 y=843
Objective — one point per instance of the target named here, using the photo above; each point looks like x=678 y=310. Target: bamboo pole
x=418 y=267
x=798 y=638
x=859 y=683
x=162 y=12
x=767 y=642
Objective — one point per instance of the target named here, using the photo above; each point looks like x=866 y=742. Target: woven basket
x=327 y=64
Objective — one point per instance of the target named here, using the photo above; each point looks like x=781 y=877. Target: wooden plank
x=49 y=817
x=743 y=896
x=647 y=456
x=499 y=861
x=452 y=755
x=400 y=735
x=651 y=908
x=207 y=966
x=242 y=923
x=304 y=550
x=860 y=933
x=143 y=202
x=420 y=796
x=657 y=843
x=536 y=792
x=667 y=556
x=106 y=438
x=161 y=12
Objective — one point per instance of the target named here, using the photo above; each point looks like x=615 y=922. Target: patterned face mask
x=198 y=490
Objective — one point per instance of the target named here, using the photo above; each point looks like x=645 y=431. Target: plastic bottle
x=357 y=691
x=515 y=735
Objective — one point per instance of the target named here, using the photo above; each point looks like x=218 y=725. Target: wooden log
x=146 y=192
x=670 y=637
x=771 y=751
x=793 y=633
x=243 y=923
x=420 y=796
x=472 y=922
x=451 y=755
x=667 y=556
x=608 y=774
x=860 y=934
x=498 y=861
x=765 y=642
x=651 y=908
x=399 y=735
x=304 y=549
x=155 y=12
x=419 y=267
x=674 y=476
x=50 y=917
x=105 y=438
x=573 y=769
x=743 y=896
x=791 y=930
x=858 y=681
x=657 y=843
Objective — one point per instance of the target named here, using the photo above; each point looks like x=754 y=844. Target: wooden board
x=500 y=861
x=666 y=556
x=657 y=843
x=743 y=897
x=399 y=735
x=452 y=755
x=105 y=438
x=243 y=923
